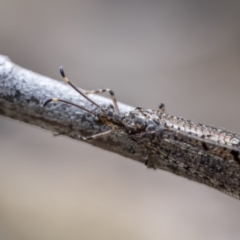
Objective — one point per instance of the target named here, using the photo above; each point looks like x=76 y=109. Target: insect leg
x=161 y=108
x=67 y=102
x=61 y=133
x=105 y=90
x=74 y=87
x=146 y=157
x=140 y=109
x=95 y=136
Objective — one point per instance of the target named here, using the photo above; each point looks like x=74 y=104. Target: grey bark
x=23 y=92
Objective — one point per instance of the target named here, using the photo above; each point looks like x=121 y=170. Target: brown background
x=183 y=53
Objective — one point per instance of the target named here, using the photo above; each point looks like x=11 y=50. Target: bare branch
x=23 y=92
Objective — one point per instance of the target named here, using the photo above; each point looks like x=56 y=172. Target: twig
x=23 y=92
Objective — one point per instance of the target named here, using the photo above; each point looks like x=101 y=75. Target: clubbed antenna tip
x=62 y=72
x=79 y=91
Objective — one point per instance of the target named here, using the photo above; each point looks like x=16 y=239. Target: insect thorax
x=137 y=121
x=109 y=116
x=132 y=122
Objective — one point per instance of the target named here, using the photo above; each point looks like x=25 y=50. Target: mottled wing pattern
x=196 y=150
x=216 y=141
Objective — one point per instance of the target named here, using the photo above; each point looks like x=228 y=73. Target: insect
x=208 y=154
x=133 y=122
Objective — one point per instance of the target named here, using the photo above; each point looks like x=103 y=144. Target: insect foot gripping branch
x=206 y=154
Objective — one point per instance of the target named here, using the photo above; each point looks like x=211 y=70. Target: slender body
x=201 y=152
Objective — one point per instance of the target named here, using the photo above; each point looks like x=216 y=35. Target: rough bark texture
x=23 y=92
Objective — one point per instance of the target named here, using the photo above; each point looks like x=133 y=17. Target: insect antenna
x=67 y=102
x=75 y=88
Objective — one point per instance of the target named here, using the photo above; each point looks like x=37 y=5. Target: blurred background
x=183 y=53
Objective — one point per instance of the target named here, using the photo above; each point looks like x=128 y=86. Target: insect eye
x=111 y=106
x=140 y=123
x=151 y=128
x=109 y=113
